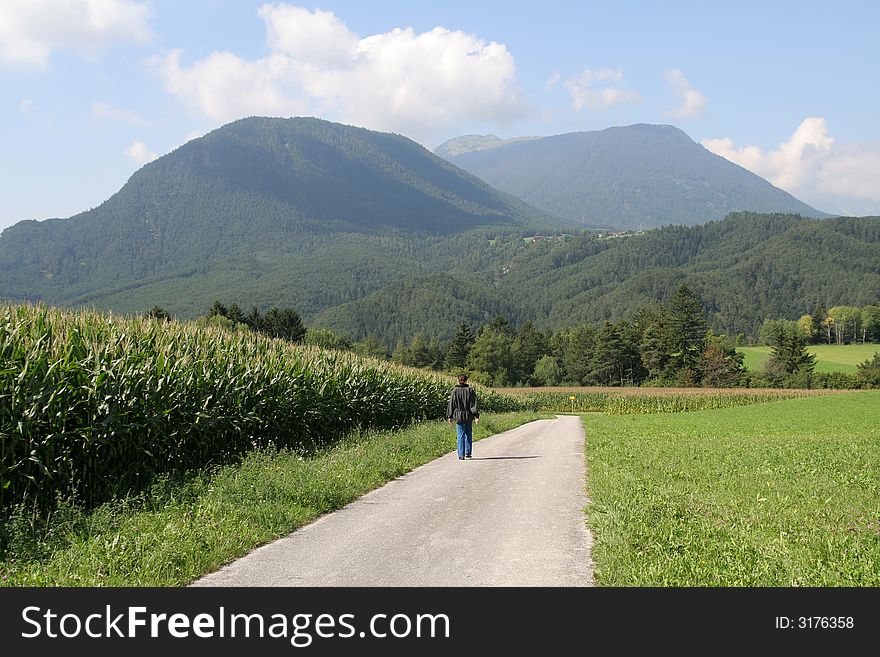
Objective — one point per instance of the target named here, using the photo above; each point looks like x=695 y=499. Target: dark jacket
x=462 y=406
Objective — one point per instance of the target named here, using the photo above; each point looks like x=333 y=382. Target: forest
x=661 y=345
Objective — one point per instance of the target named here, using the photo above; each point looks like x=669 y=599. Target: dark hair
x=462 y=377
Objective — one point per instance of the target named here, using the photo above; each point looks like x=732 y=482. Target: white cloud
x=598 y=89
x=107 y=111
x=418 y=84
x=31 y=29
x=26 y=105
x=552 y=81
x=813 y=167
x=692 y=101
x=140 y=153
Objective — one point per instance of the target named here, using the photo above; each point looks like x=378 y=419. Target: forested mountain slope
x=260 y=191
x=633 y=177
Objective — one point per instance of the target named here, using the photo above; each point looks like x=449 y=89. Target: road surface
x=511 y=516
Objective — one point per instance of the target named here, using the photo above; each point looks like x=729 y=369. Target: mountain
x=635 y=177
x=258 y=198
x=368 y=232
x=469 y=143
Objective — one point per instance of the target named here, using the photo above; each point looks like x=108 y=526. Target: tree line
x=664 y=345
x=835 y=325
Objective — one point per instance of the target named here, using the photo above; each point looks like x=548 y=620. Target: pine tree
x=235 y=314
x=218 y=309
x=789 y=352
x=607 y=363
x=419 y=351
x=686 y=333
x=577 y=354
x=283 y=323
x=459 y=348
x=158 y=312
x=530 y=344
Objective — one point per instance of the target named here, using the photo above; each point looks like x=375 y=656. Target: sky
x=92 y=90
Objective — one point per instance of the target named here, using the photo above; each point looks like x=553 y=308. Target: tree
x=235 y=314
x=789 y=352
x=492 y=354
x=283 y=323
x=371 y=346
x=254 y=319
x=685 y=334
x=722 y=365
x=805 y=323
x=845 y=320
x=871 y=324
x=869 y=371
x=459 y=348
x=218 y=309
x=578 y=345
x=652 y=346
x=158 y=312
x=547 y=372
x=327 y=339
x=820 y=314
x=528 y=346
x=500 y=325
x=436 y=353
x=401 y=353
x=419 y=351
x=608 y=362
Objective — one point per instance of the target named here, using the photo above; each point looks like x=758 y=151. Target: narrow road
x=511 y=516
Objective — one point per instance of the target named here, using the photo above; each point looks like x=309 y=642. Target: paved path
x=511 y=516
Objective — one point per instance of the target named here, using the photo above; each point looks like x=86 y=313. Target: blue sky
x=94 y=89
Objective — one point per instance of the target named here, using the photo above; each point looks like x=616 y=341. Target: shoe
x=467 y=456
x=461 y=458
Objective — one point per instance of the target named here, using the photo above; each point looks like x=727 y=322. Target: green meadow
x=785 y=493
x=829 y=357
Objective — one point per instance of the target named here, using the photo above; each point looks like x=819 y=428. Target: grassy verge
x=179 y=531
x=778 y=494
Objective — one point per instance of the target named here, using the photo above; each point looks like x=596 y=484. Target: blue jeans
x=465 y=438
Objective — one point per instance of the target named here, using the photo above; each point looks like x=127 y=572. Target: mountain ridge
x=627 y=177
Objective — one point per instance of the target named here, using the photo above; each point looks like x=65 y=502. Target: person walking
x=463 y=410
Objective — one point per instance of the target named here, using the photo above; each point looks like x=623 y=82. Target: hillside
x=745 y=268
x=634 y=177
x=263 y=195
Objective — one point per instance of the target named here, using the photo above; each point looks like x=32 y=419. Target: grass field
x=829 y=357
x=785 y=493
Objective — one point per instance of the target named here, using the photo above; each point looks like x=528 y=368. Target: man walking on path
x=463 y=410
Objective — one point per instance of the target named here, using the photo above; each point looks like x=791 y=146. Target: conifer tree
x=459 y=348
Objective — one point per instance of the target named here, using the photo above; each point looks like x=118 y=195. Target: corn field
x=93 y=406
x=622 y=404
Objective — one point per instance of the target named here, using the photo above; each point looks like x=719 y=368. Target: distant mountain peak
x=470 y=143
x=624 y=177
